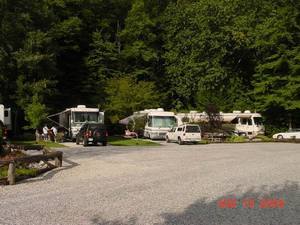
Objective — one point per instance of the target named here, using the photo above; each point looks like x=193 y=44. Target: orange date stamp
x=251 y=203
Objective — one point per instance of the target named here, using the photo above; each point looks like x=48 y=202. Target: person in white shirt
x=45 y=132
x=54 y=130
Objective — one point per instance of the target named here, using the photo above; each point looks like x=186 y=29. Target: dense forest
x=127 y=55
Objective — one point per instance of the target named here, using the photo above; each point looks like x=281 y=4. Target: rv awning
x=126 y=120
x=132 y=118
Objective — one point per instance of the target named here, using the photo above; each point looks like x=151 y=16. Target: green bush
x=271 y=129
x=60 y=137
x=237 y=139
x=263 y=138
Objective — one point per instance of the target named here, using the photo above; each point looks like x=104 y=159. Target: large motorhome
x=246 y=123
x=73 y=118
x=5 y=116
x=157 y=122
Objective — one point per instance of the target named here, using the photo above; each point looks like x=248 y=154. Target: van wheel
x=180 y=141
x=85 y=142
x=279 y=137
x=77 y=141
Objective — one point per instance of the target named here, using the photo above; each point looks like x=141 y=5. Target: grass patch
x=47 y=144
x=237 y=139
x=203 y=142
x=120 y=141
x=19 y=172
x=264 y=138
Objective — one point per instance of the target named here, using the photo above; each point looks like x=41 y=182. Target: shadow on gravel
x=92 y=151
x=210 y=213
x=67 y=164
x=205 y=212
x=131 y=221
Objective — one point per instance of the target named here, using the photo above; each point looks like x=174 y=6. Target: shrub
x=60 y=137
x=237 y=139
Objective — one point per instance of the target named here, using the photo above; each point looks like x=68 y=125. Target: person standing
x=38 y=135
x=54 y=131
x=45 y=132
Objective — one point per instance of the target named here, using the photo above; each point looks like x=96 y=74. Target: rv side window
x=249 y=121
x=244 y=121
x=6 y=113
x=150 y=121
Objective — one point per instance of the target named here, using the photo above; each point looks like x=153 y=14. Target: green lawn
x=120 y=141
x=47 y=144
x=19 y=171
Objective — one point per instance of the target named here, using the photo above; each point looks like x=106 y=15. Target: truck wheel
x=85 y=142
x=180 y=141
x=167 y=139
x=104 y=143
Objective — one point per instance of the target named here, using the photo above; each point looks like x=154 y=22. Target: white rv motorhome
x=158 y=122
x=5 y=116
x=245 y=122
x=73 y=118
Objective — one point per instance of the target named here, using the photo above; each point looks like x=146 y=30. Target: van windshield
x=192 y=129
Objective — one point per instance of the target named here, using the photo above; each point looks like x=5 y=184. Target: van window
x=179 y=129
x=192 y=129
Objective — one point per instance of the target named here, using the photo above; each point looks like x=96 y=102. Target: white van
x=184 y=133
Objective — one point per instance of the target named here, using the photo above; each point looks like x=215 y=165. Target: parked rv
x=5 y=117
x=72 y=119
x=5 y=121
x=245 y=123
x=157 y=122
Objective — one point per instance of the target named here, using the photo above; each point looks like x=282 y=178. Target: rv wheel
x=279 y=137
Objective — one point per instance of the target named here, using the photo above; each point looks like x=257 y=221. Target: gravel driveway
x=168 y=184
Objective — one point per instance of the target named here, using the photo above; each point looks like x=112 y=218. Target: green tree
x=138 y=39
x=102 y=63
x=125 y=95
x=35 y=113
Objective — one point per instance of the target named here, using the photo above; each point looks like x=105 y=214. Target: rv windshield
x=162 y=121
x=81 y=117
x=258 y=121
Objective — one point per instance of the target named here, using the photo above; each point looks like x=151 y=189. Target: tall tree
x=138 y=39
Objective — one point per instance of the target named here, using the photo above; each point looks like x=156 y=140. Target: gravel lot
x=169 y=184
